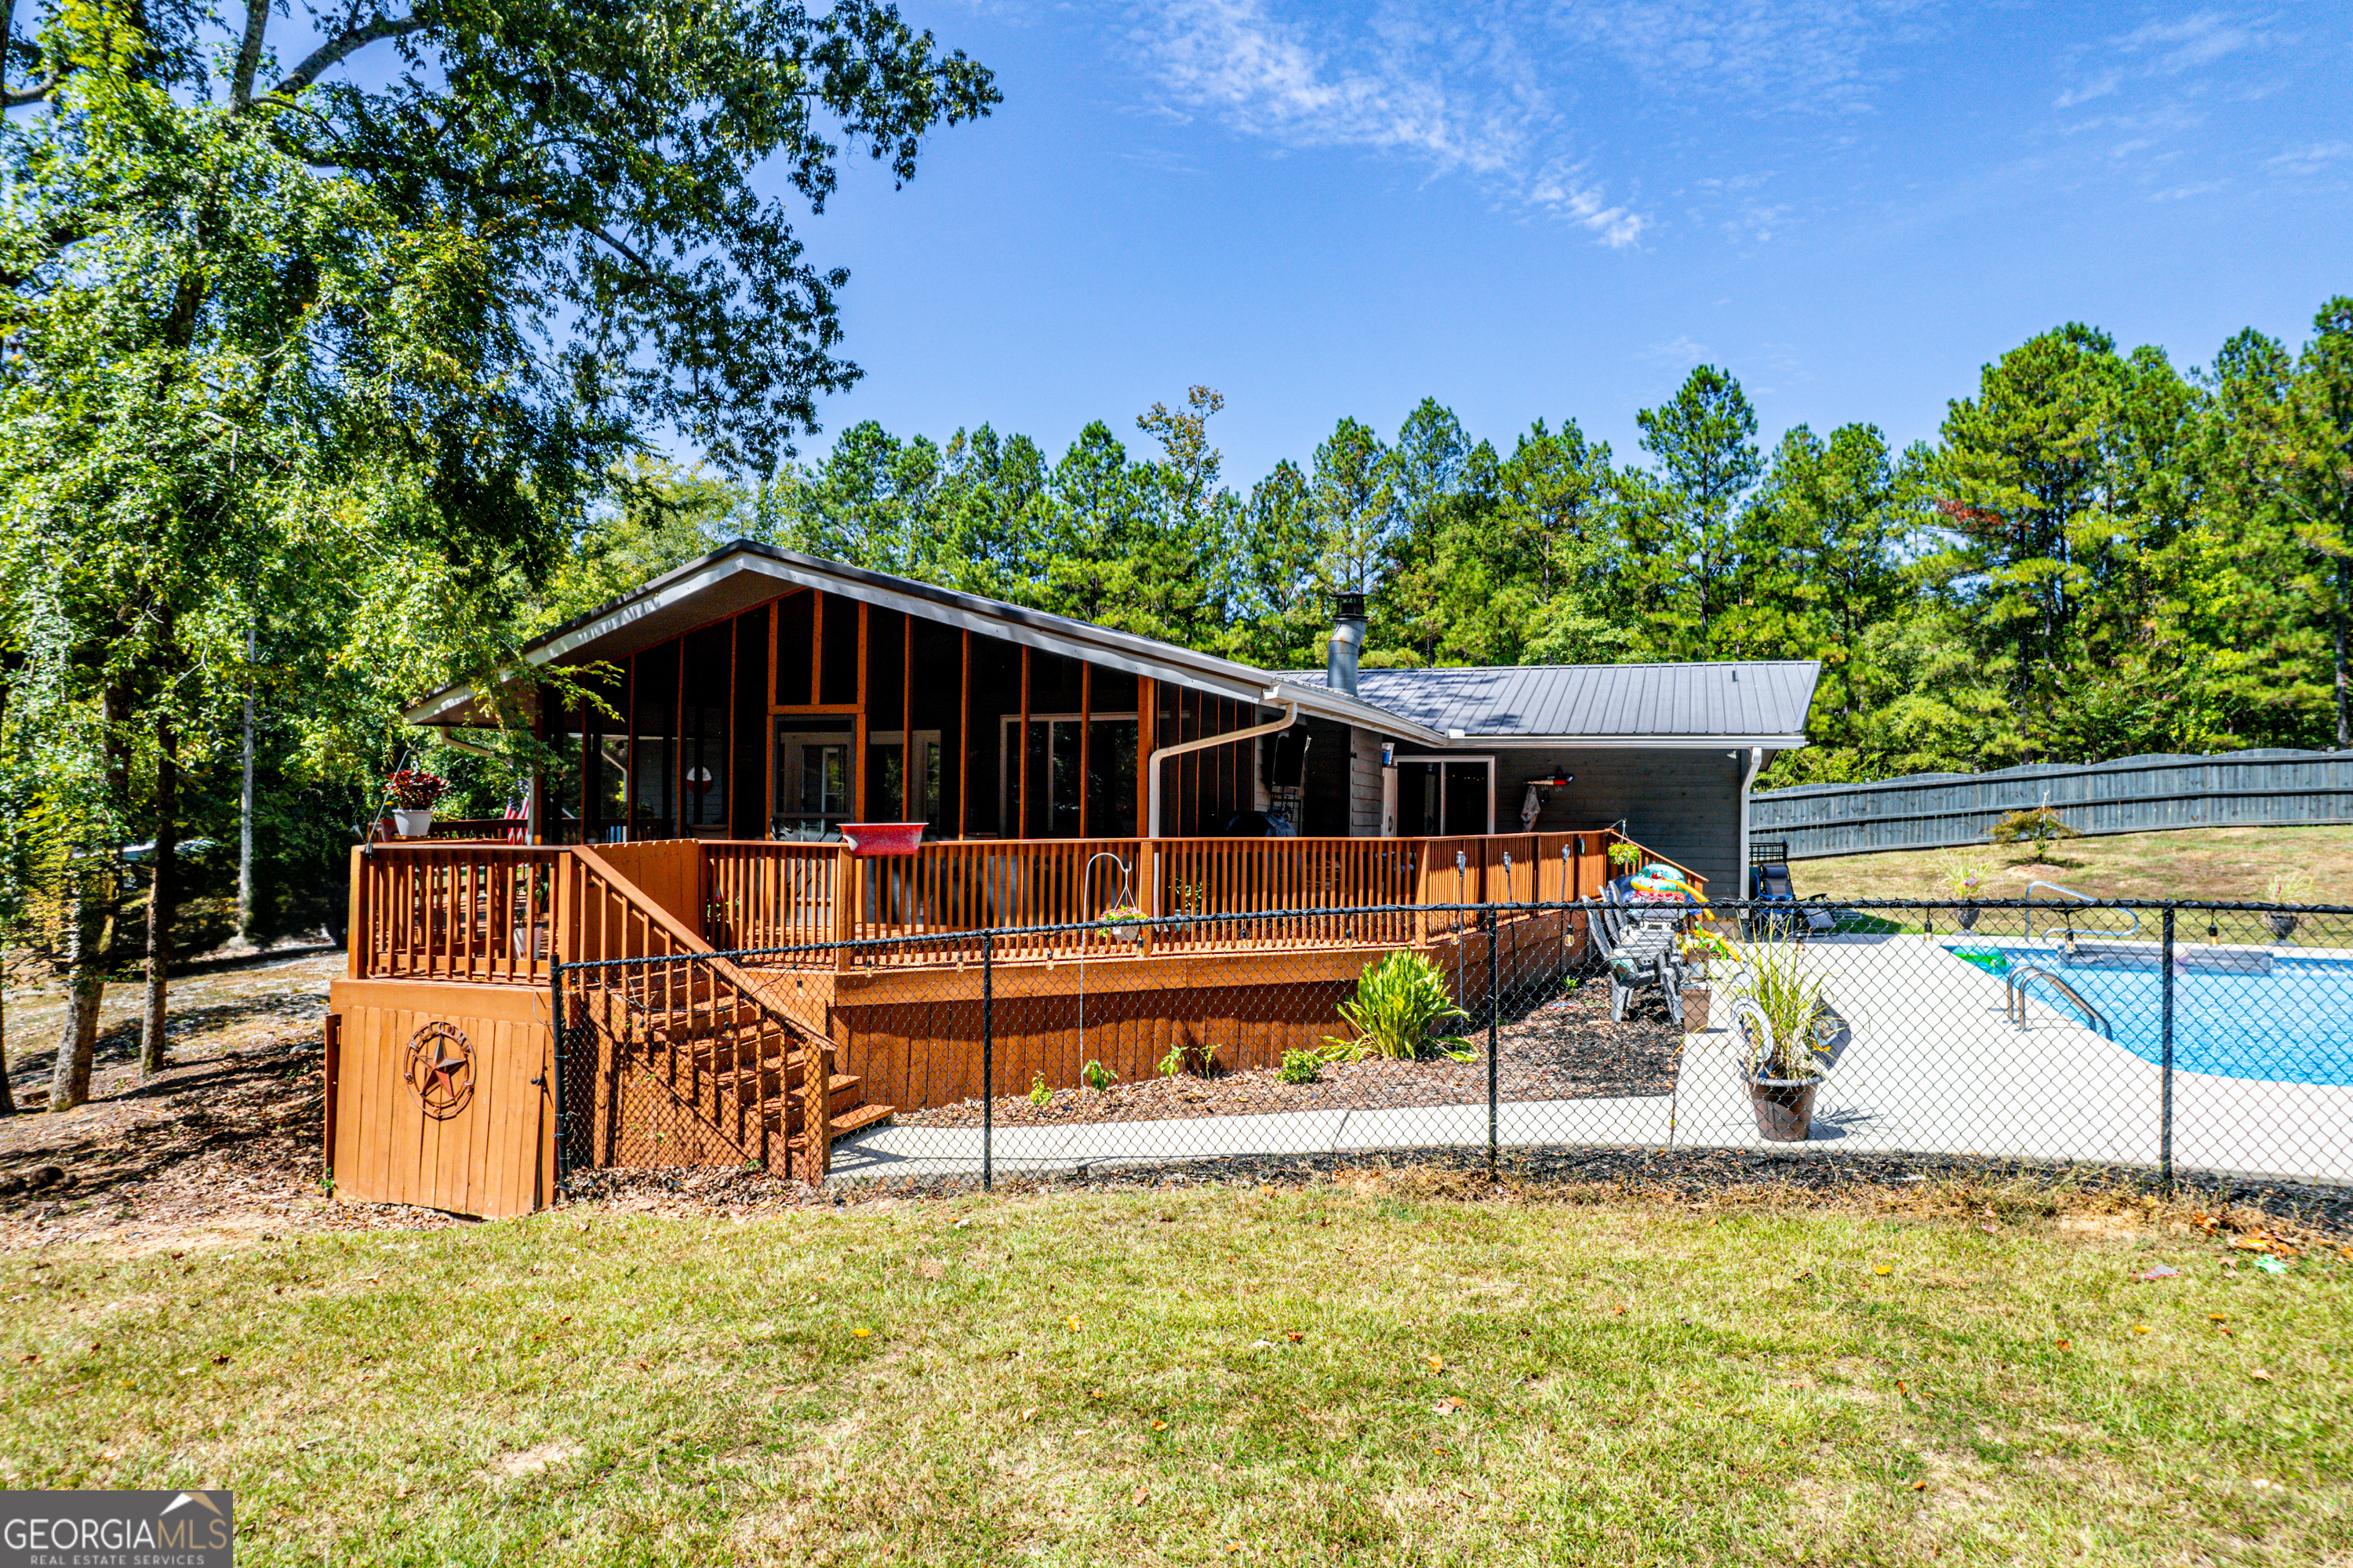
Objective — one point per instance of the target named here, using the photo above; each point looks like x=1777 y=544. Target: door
x=816 y=788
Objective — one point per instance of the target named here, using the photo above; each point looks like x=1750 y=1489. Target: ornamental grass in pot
x=2287 y=887
x=1781 y=1014
x=1964 y=880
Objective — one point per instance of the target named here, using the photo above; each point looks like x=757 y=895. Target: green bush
x=2040 y=827
x=1097 y=1076
x=1039 y=1095
x=1398 y=1001
x=1300 y=1067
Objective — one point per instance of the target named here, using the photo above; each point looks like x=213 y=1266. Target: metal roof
x=1754 y=701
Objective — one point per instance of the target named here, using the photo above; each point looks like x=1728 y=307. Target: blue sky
x=1554 y=210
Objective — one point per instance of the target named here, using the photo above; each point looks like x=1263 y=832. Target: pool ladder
x=2014 y=1005
x=2067 y=919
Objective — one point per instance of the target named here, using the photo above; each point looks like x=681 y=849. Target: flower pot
x=2283 y=926
x=1783 y=1107
x=412 y=824
x=1967 y=916
x=1696 y=1005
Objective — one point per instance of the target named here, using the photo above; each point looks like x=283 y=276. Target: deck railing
x=465 y=911
x=481 y=911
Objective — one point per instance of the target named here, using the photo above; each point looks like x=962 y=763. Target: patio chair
x=1776 y=909
x=1642 y=943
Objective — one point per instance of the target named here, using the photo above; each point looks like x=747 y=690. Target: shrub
x=1097 y=1076
x=1398 y=1001
x=1300 y=1067
x=1202 y=1059
x=1039 y=1095
x=2040 y=827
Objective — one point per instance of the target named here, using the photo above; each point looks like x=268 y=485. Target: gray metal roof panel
x=1739 y=697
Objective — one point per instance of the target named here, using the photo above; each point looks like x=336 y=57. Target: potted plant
x=410 y=793
x=1963 y=879
x=1122 y=922
x=2287 y=887
x=1781 y=1017
x=1699 y=947
x=1625 y=859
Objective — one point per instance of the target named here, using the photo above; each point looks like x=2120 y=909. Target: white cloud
x=2183 y=193
x=2164 y=49
x=2310 y=160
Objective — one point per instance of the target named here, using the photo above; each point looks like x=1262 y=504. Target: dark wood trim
x=629 y=756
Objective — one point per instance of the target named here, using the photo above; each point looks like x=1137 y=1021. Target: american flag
x=518 y=824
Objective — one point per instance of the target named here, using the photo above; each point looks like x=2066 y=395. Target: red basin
x=883 y=838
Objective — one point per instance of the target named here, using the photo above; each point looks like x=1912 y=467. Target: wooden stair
x=748 y=1072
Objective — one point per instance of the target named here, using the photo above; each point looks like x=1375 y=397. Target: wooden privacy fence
x=2130 y=795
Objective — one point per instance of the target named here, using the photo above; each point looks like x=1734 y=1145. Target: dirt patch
x=1563 y=1049
x=531 y=1461
x=222 y=1145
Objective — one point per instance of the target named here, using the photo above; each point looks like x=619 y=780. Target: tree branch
x=337 y=49
x=248 y=53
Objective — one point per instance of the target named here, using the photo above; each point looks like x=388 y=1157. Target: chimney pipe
x=1347 y=643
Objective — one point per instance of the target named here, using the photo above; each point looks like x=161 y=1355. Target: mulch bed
x=1562 y=1050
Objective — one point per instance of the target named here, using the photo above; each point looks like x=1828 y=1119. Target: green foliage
x=2040 y=827
x=1300 y=1067
x=1189 y=1055
x=1097 y=1076
x=1398 y=1001
x=1039 y=1095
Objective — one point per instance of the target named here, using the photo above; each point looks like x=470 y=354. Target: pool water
x=2292 y=1025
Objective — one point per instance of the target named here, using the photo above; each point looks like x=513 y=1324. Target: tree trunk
x=85 y=988
x=245 y=812
x=8 y=1094
x=162 y=896
x=2344 y=733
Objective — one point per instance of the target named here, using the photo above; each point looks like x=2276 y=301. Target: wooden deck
x=776 y=996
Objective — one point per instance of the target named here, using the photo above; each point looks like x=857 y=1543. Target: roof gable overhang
x=744 y=575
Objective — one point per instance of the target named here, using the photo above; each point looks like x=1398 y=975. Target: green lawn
x=2226 y=864
x=1340 y=1373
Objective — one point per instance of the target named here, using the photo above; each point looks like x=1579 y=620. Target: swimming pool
x=2238 y=1012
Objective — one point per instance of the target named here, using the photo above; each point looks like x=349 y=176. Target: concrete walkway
x=1929 y=1065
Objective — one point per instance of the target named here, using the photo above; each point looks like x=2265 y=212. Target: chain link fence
x=2160 y=1040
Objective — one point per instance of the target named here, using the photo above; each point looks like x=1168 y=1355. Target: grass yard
x=2223 y=864
x=1360 y=1370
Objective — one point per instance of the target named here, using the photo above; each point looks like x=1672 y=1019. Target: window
x=1060 y=766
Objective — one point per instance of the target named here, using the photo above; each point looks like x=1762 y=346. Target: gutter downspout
x=1756 y=766
x=1152 y=828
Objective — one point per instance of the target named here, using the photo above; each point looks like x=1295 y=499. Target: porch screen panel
x=996 y=696
x=747 y=788
x=838 y=653
x=703 y=733
x=605 y=800
x=795 y=648
x=939 y=715
x=653 y=751
x=559 y=784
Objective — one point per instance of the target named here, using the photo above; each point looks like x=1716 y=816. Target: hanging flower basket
x=410 y=794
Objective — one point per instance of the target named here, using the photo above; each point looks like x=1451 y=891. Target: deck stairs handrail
x=2014 y=1005
x=714 y=1039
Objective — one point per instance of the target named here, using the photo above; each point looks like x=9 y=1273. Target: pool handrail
x=2068 y=920
x=2013 y=1004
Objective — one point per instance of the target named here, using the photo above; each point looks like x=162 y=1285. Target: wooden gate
x=439 y=1095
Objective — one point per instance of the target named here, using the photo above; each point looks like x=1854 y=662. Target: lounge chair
x=1777 y=910
x=1643 y=945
